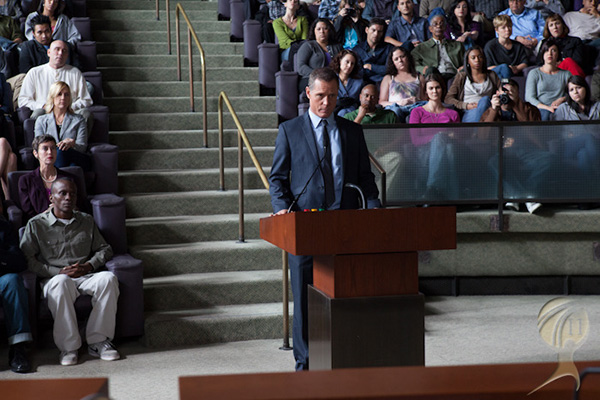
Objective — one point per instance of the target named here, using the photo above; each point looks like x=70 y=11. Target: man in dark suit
x=301 y=143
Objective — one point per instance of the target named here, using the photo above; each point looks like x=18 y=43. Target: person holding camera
x=523 y=151
x=350 y=27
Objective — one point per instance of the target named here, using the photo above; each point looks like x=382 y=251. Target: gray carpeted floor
x=462 y=330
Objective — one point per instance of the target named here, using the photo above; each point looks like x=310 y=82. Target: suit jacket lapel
x=309 y=136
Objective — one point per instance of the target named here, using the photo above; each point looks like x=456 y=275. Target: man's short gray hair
x=322 y=74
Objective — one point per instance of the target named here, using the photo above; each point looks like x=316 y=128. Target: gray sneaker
x=104 y=350
x=68 y=357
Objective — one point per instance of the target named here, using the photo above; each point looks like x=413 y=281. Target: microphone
x=325 y=146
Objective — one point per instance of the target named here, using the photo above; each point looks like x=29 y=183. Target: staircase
x=200 y=286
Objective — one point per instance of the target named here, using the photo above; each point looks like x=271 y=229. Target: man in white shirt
x=36 y=84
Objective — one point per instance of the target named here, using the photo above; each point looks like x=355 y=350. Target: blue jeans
x=546 y=115
x=16 y=310
x=475 y=114
x=403 y=112
x=503 y=71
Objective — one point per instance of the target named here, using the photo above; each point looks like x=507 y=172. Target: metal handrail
x=243 y=137
x=191 y=34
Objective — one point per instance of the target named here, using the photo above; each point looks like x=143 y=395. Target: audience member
x=350 y=26
x=402 y=89
x=546 y=7
x=317 y=51
x=484 y=12
x=373 y=52
x=345 y=65
x=34 y=187
x=8 y=160
x=439 y=54
x=473 y=87
x=368 y=112
x=65 y=249
x=432 y=143
x=36 y=84
x=328 y=9
x=12 y=8
x=290 y=28
x=67 y=128
x=62 y=27
x=506 y=57
x=427 y=6
x=461 y=26
x=585 y=23
x=266 y=15
x=382 y=9
x=580 y=147
x=14 y=297
x=10 y=33
x=523 y=150
x=571 y=48
x=528 y=24
x=596 y=86
x=546 y=85
x=35 y=52
x=407 y=28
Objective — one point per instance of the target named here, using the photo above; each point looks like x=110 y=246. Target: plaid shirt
x=276 y=9
x=329 y=9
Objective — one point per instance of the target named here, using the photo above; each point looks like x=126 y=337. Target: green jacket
x=426 y=54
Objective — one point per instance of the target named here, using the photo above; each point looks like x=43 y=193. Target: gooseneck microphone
x=325 y=146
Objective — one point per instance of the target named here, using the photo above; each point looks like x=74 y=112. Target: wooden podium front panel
x=366 y=275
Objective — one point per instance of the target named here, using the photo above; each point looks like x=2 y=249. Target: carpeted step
x=140 y=140
x=214 y=256
x=98 y=5
x=196 y=203
x=157 y=60
x=185 y=180
x=203 y=290
x=204 y=21
x=190 y=229
x=188 y=158
x=147 y=16
x=178 y=89
x=177 y=104
x=213 y=325
x=153 y=37
x=168 y=74
x=160 y=48
x=188 y=120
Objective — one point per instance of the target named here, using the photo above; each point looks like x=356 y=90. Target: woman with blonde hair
x=69 y=129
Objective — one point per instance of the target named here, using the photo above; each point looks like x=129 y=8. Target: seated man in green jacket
x=438 y=53
x=368 y=112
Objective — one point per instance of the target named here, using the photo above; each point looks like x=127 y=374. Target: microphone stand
x=309 y=179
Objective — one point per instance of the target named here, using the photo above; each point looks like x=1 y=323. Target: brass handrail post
x=286 y=311
x=178 y=42
x=241 y=186
x=221 y=145
x=191 y=71
x=168 y=5
x=157 y=14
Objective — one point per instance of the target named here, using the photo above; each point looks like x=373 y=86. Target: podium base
x=358 y=332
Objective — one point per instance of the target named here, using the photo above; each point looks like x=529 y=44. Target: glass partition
x=463 y=163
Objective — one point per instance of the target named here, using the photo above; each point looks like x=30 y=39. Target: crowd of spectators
x=453 y=61
x=61 y=245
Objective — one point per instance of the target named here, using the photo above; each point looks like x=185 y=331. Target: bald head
x=58 y=54
x=369 y=97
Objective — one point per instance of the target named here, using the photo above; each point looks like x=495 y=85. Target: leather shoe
x=17 y=358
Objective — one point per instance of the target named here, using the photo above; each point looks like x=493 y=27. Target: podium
x=364 y=308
